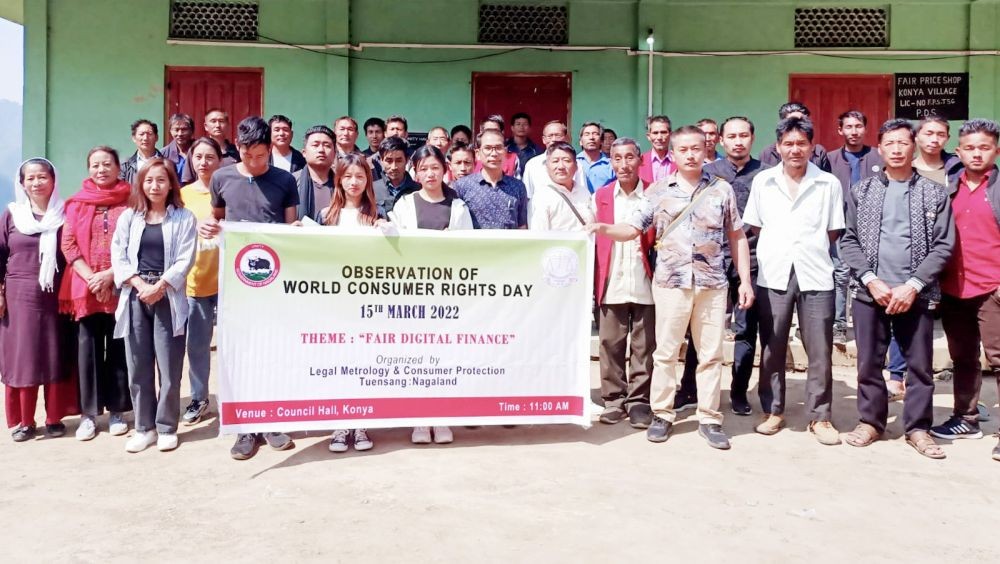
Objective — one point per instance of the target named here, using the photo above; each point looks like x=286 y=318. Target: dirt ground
x=529 y=494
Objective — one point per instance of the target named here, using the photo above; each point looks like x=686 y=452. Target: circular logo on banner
x=257 y=265
x=560 y=265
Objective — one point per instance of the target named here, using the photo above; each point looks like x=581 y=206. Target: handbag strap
x=569 y=203
x=689 y=209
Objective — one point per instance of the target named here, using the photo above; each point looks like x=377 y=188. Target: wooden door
x=827 y=96
x=194 y=90
x=544 y=97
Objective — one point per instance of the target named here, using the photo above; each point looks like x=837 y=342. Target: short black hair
x=562 y=146
x=520 y=115
x=788 y=125
x=790 y=107
x=462 y=129
x=252 y=131
x=896 y=124
x=428 y=151
x=658 y=119
x=980 y=125
x=182 y=117
x=322 y=129
x=852 y=114
x=686 y=130
x=278 y=118
x=611 y=131
x=493 y=118
x=479 y=138
x=722 y=128
x=457 y=147
x=934 y=118
x=376 y=121
x=399 y=119
x=390 y=144
x=600 y=128
x=703 y=121
x=140 y=122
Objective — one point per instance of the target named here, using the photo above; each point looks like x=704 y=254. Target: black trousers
x=103 y=371
x=914 y=331
x=967 y=323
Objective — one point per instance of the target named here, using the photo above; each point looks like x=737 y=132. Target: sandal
x=922 y=442
x=862 y=435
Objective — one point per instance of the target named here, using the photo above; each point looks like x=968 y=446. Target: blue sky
x=11 y=61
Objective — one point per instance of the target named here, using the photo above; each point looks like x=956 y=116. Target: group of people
x=119 y=283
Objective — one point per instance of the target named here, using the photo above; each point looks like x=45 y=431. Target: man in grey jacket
x=899 y=237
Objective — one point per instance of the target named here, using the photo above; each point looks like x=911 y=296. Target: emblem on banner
x=560 y=265
x=257 y=265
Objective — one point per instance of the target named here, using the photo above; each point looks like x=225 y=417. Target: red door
x=194 y=90
x=827 y=96
x=544 y=97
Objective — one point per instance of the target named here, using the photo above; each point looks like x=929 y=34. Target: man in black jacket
x=315 y=181
x=899 y=237
x=769 y=156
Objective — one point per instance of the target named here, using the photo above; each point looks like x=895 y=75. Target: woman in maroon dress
x=34 y=338
x=87 y=292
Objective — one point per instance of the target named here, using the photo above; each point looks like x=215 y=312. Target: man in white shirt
x=283 y=155
x=535 y=171
x=561 y=203
x=798 y=210
x=624 y=295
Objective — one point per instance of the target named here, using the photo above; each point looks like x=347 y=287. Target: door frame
x=561 y=74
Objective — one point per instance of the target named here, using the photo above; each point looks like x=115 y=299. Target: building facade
x=94 y=66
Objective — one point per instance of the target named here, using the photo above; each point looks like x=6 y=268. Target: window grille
x=841 y=27
x=227 y=21
x=520 y=24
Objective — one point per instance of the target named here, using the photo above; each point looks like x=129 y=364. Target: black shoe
x=840 y=335
x=246 y=446
x=640 y=416
x=195 y=411
x=55 y=430
x=278 y=441
x=22 y=433
x=996 y=452
x=712 y=432
x=659 y=430
x=684 y=401
x=612 y=415
x=740 y=404
x=957 y=427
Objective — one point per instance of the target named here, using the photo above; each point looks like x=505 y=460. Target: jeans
x=897 y=362
x=151 y=345
x=200 y=327
x=841 y=280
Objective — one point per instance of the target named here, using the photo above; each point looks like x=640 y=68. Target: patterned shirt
x=504 y=206
x=691 y=255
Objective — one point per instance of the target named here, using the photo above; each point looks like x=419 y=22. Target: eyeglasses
x=492 y=148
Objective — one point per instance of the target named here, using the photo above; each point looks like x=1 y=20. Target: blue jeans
x=841 y=280
x=200 y=326
x=897 y=362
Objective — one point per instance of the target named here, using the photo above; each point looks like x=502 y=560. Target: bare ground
x=529 y=494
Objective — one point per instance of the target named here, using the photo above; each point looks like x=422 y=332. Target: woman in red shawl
x=87 y=292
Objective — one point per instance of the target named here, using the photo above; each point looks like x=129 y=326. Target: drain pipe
x=649 y=74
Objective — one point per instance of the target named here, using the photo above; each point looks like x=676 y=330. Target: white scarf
x=48 y=226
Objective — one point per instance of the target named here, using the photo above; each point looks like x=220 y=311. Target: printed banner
x=323 y=328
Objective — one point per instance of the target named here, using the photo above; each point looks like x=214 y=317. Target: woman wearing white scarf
x=34 y=338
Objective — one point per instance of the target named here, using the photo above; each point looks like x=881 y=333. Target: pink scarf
x=80 y=211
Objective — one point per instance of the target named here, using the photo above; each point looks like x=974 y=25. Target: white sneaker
x=361 y=440
x=421 y=436
x=140 y=441
x=443 y=435
x=117 y=425
x=166 y=442
x=87 y=430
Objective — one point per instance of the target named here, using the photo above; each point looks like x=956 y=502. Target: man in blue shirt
x=495 y=200
x=596 y=166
